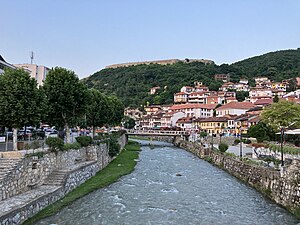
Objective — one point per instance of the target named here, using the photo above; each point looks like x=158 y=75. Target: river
x=172 y=186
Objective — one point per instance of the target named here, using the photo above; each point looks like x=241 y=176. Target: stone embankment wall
x=281 y=186
x=79 y=165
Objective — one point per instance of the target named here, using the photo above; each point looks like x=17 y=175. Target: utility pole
x=31 y=57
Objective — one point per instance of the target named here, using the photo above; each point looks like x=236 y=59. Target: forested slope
x=132 y=84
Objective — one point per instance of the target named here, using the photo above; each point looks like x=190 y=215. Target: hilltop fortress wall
x=160 y=62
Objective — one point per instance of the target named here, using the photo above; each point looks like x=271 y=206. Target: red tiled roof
x=181 y=93
x=237 y=105
x=213 y=119
x=267 y=101
x=192 y=106
x=185 y=120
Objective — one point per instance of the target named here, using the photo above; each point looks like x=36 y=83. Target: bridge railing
x=157 y=132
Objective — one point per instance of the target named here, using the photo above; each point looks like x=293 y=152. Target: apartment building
x=37 y=72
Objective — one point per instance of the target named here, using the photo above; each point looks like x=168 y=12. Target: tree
x=261 y=132
x=129 y=123
x=283 y=114
x=276 y=98
x=97 y=111
x=223 y=147
x=115 y=111
x=241 y=95
x=21 y=102
x=67 y=98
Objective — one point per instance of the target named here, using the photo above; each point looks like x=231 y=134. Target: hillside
x=132 y=84
x=275 y=65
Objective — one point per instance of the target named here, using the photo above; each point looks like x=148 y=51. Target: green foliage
x=84 y=141
x=114 y=147
x=69 y=146
x=261 y=132
x=21 y=102
x=55 y=144
x=276 y=98
x=242 y=95
x=35 y=144
x=223 y=147
x=286 y=149
x=274 y=65
x=129 y=123
x=236 y=141
x=203 y=134
x=132 y=84
x=98 y=110
x=115 y=111
x=103 y=178
x=67 y=98
x=282 y=114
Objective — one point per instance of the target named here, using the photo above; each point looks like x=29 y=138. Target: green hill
x=132 y=84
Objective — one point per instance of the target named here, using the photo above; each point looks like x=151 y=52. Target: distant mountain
x=132 y=84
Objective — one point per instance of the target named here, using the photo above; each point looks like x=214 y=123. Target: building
x=4 y=65
x=152 y=109
x=154 y=90
x=263 y=82
x=185 y=123
x=194 y=110
x=222 y=77
x=181 y=97
x=187 y=89
x=169 y=119
x=198 y=97
x=215 y=125
x=39 y=73
x=234 y=108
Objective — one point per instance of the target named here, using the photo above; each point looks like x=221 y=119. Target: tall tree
x=283 y=114
x=21 y=102
x=67 y=98
x=116 y=111
x=97 y=112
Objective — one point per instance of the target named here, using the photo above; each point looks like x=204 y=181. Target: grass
x=122 y=165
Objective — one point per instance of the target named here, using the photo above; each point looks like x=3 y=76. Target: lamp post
x=241 y=143
x=212 y=140
x=281 y=145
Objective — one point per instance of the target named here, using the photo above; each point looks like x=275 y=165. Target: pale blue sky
x=87 y=35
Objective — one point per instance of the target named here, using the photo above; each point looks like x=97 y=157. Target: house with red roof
x=194 y=110
x=181 y=97
x=234 y=108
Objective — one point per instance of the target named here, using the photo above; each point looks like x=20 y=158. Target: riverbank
x=280 y=186
x=122 y=165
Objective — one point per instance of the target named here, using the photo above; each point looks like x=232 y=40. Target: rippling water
x=171 y=186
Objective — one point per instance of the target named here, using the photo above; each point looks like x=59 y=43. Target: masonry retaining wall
x=281 y=186
x=32 y=172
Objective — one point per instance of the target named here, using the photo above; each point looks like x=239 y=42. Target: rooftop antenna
x=31 y=57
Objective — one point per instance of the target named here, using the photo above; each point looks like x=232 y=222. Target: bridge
x=158 y=133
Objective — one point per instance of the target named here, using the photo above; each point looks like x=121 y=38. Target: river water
x=171 y=186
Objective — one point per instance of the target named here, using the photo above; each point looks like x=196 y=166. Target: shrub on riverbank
x=108 y=175
x=223 y=147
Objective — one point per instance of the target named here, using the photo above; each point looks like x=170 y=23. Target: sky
x=87 y=35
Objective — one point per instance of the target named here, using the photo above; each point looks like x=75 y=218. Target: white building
x=39 y=73
x=234 y=108
x=4 y=65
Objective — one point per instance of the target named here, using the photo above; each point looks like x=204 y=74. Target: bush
x=223 y=147
x=297 y=143
x=35 y=144
x=114 y=146
x=55 y=144
x=74 y=145
x=84 y=141
x=236 y=141
x=247 y=141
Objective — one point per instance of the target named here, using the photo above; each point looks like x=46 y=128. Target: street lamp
x=212 y=140
x=241 y=143
x=281 y=145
